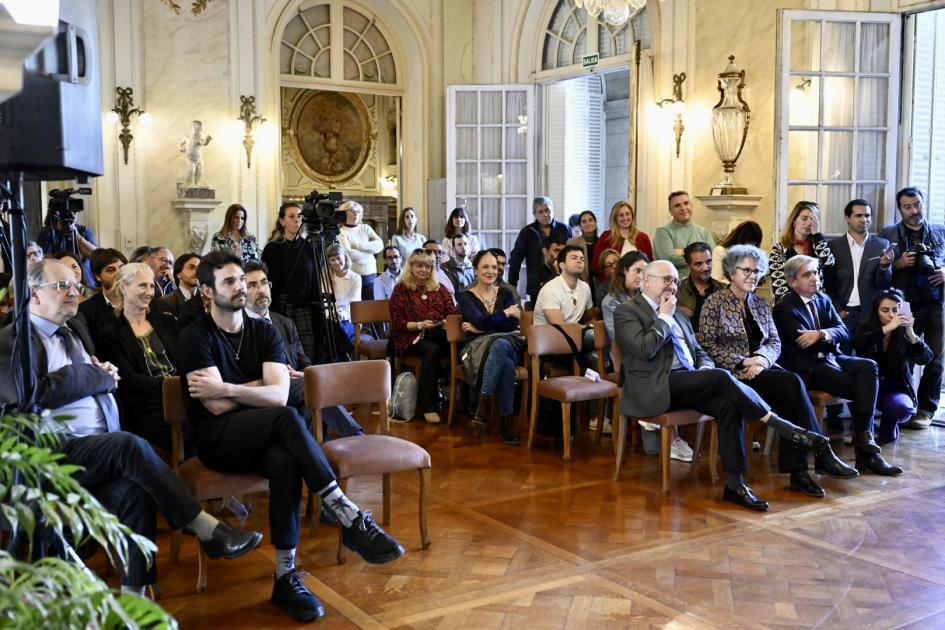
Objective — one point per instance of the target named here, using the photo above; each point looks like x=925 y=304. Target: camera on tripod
x=321 y=214
x=62 y=207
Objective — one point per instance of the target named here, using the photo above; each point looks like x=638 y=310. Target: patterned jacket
x=722 y=329
x=780 y=255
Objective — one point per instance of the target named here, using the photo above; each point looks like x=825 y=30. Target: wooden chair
x=457 y=337
x=369 y=312
x=203 y=483
x=366 y=383
x=819 y=400
x=547 y=340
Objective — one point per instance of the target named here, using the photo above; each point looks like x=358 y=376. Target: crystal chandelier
x=615 y=12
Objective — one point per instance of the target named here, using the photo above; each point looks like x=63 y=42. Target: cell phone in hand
x=905 y=309
x=439 y=323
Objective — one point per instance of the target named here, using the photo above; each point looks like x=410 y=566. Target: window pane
x=515 y=183
x=871 y=102
x=514 y=143
x=492 y=143
x=876 y=195
x=516 y=217
x=490 y=209
x=466 y=109
x=466 y=175
x=837 y=155
x=805 y=45
x=491 y=107
x=839 y=51
x=472 y=211
x=838 y=101
x=804 y=101
x=579 y=48
x=871 y=155
x=466 y=148
x=514 y=107
x=796 y=193
x=874 y=47
x=491 y=178
x=802 y=155
x=833 y=199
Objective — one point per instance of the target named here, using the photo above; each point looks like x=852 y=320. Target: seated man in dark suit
x=665 y=368
x=810 y=331
x=120 y=469
x=258 y=300
x=97 y=311
x=185 y=273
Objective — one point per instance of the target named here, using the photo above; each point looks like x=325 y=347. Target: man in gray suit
x=863 y=267
x=665 y=368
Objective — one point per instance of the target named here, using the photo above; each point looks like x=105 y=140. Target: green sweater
x=674 y=236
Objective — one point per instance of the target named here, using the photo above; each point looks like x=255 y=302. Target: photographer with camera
x=919 y=272
x=62 y=233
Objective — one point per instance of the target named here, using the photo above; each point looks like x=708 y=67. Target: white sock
x=204 y=525
x=133 y=590
x=341 y=506
x=285 y=561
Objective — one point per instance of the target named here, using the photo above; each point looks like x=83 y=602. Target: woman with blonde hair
x=407 y=237
x=419 y=306
x=233 y=236
x=801 y=235
x=623 y=235
x=362 y=244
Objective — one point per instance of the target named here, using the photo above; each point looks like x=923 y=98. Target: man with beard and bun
x=694 y=290
x=236 y=387
x=665 y=368
x=920 y=277
x=98 y=311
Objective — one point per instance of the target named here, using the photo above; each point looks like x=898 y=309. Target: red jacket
x=409 y=306
x=642 y=243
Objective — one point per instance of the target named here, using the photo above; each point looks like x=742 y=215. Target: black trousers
x=929 y=322
x=429 y=349
x=852 y=322
x=851 y=378
x=786 y=394
x=276 y=443
x=125 y=474
x=718 y=394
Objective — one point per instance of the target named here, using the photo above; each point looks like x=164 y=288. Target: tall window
x=837 y=111
x=927 y=163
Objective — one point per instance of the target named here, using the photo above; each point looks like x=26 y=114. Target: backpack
x=403 y=399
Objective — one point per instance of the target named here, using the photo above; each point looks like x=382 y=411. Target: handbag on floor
x=403 y=399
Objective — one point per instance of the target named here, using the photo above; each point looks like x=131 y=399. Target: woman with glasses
x=233 y=236
x=737 y=331
x=488 y=312
x=801 y=235
x=608 y=265
x=419 y=306
x=407 y=237
x=143 y=346
x=623 y=236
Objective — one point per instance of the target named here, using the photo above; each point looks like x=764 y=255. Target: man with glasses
x=34 y=253
x=384 y=285
x=120 y=469
x=700 y=284
x=161 y=261
x=665 y=368
x=919 y=271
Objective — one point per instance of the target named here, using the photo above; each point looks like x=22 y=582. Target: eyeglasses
x=62 y=285
x=256 y=285
x=166 y=261
x=610 y=264
x=666 y=279
x=748 y=271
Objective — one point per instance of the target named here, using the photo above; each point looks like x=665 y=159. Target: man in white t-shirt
x=564 y=299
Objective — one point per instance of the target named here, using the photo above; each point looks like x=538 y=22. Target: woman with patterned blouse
x=801 y=235
x=419 y=306
x=233 y=237
x=737 y=330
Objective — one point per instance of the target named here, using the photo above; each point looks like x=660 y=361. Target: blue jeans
x=498 y=376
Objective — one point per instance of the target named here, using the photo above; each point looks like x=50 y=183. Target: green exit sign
x=589 y=61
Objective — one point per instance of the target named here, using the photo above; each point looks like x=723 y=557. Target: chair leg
x=176 y=537
x=453 y=393
x=666 y=440
x=315 y=518
x=700 y=429
x=621 y=441
x=523 y=404
x=714 y=452
x=424 y=489
x=601 y=414
x=533 y=420
x=385 y=484
x=819 y=414
x=635 y=437
x=566 y=428
x=202 y=562
x=154 y=591
x=749 y=440
x=769 y=440
x=343 y=484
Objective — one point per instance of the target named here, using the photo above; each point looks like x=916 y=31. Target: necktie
x=105 y=402
x=680 y=352
x=812 y=305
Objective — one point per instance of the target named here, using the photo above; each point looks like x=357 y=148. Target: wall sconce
x=730 y=120
x=678 y=107
x=122 y=112
x=250 y=120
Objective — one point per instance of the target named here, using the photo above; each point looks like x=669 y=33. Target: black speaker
x=52 y=130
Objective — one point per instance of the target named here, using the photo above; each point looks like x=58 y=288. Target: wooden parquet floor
x=524 y=540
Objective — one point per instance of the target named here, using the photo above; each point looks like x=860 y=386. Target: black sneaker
x=291 y=595
x=368 y=540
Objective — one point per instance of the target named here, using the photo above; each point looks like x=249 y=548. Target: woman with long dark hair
x=745 y=233
x=407 y=237
x=233 y=236
x=801 y=235
x=458 y=223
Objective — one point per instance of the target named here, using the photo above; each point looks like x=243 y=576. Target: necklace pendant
x=423 y=296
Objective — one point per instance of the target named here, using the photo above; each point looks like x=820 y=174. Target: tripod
x=325 y=315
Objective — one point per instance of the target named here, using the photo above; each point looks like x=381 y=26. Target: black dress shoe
x=874 y=463
x=509 y=431
x=827 y=463
x=291 y=595
x=807 y=440
x=368 y=540
x=229 y=543
x=863 y=441
x=484 y=410
x=744 y=497
x=801 y=481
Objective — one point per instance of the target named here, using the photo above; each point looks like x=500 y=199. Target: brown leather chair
x=547 y=340
x=203 y=483
x=819 y=400
x=369 y=312
x=364 y=383
x=457 y=337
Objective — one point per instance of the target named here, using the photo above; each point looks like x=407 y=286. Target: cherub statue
x=192 y=146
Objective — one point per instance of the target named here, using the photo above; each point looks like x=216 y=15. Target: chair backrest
x=353 y=383
x=591 y=315
x=175 y=414
x=454 y=329
x=370 y=311
x=547 y=339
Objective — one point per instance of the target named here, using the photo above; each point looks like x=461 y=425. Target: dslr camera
x=321 y=214
x=62 y=207
x=924 y=264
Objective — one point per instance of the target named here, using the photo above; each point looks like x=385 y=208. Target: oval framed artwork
x=330 y=135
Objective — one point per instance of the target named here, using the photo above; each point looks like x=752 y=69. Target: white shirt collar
x=253 y=314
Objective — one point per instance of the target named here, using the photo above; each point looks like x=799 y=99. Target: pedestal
x=195 y=214
x=727 y=211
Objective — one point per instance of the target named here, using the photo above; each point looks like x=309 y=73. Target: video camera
x=62 y=207
x=321 y=214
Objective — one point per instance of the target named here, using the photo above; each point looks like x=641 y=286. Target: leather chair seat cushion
x=677 y=418
x=210 y=484
x=823 y=399
x=575 y=389
x=373 y=455
x=373 y=348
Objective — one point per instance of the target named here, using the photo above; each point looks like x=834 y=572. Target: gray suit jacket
x=838 y=279
x=646 y=349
